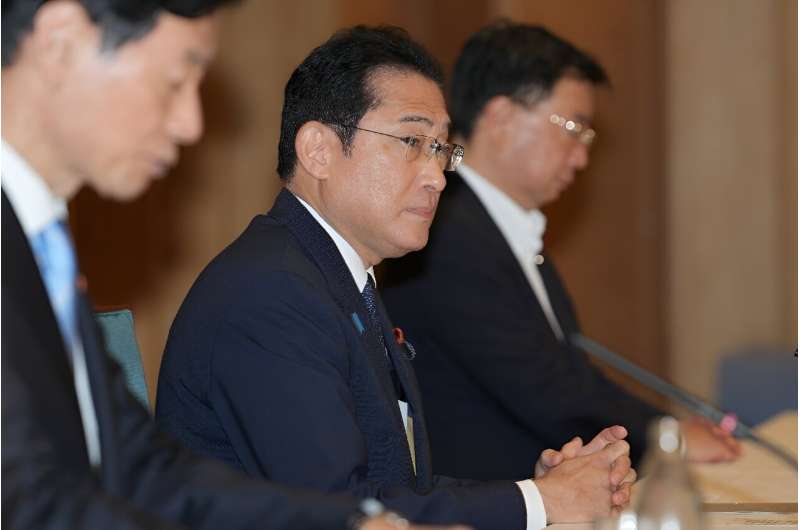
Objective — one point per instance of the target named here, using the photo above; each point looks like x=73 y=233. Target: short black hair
x=333 y=84
x=520 y=61
x=119 y=20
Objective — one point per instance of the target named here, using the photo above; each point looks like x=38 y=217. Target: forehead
x=178 y=39
x=571 y=97
x=405 y=95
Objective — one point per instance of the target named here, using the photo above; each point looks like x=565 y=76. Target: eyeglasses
x=581 y=132
x=448 y=156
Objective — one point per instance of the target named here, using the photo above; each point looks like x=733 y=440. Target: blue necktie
x=56 y=259
x=370 y=296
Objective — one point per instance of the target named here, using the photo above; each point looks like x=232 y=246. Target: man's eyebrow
x=416 y=119
x=582 y=118
x=445 y=130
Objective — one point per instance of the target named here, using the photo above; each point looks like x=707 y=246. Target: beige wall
x=731 y=182
x=616 y=234
x=789 y=183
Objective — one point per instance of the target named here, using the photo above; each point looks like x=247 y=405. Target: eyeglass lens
x=575 y=129
x=448 y=156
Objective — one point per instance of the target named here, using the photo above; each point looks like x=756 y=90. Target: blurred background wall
x=678 y=243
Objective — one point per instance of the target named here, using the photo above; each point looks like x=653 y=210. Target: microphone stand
x=693 y=403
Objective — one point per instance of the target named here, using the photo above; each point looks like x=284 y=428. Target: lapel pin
x=357 y=322
x=400 y=338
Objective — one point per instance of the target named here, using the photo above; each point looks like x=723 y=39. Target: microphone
x=728 y=422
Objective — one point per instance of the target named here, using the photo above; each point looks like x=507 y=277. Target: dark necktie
x=370 y=300
x=370 y=296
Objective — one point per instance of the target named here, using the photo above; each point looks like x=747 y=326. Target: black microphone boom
x=693 y=403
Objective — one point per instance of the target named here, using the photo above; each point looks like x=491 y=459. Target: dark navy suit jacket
x=145 y=481
x=499 y=387
x=272 y=367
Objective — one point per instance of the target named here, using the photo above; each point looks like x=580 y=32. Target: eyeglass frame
x=453 y=161
x=582 y=133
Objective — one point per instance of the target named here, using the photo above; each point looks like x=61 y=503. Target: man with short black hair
x=102 y=93
x=482 y=300
x=282 y=361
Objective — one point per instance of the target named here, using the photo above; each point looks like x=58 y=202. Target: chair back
x=758 y=384
x=121 y=343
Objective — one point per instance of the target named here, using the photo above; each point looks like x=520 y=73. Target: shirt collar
x=350 y=256
x=523 y=229
x=33 y=202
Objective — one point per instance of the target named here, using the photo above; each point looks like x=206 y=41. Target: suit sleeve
x=280 y=386
x=551 y=388
x=159 y=485
x=39 y=491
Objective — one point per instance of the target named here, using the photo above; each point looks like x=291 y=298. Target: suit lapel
x=408 y=380
x=559 y=299
x=22 y=283
x=462 y=204
x=25 y=291
x=100 y=385
x=320 y=248
x=472 y=213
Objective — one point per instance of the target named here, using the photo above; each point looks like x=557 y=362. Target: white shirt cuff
x=534 y=505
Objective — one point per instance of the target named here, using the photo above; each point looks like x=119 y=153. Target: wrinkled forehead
x=405 y=96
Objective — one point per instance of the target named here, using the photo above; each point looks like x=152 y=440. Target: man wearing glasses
x=482 y=301
x=102 y=94
x=282 y=360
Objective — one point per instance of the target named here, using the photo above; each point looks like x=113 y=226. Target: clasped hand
x=581 y=482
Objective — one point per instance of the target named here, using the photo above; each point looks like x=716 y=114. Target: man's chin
x=553 y=197
x=412 y=246
x=125 y=191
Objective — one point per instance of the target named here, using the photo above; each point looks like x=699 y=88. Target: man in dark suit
x=102 y=93
x=282 y=360
x=482 y=301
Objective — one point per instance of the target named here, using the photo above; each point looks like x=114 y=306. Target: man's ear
x=315 y=144
x=61 y=31
x=497 y=117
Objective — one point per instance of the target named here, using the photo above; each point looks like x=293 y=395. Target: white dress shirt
x=534 y=506
x=36 y=208
x=522 y=230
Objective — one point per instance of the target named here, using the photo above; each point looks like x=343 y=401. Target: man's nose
x=580 y=156
x=185 y=122
x=433 y=175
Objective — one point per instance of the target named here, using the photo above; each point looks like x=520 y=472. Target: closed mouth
x=423 y=211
